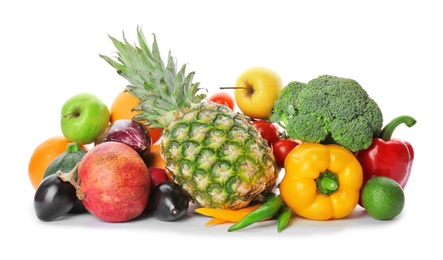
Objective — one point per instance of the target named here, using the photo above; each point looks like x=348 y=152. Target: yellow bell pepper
x=321 y=182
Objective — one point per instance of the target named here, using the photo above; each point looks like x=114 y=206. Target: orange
x=122 y=108
x=43 y=155
x=154 y=158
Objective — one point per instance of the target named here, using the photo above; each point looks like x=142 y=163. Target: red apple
x=158 y=175
x=114 y=182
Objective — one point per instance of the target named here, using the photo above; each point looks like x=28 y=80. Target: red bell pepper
x=388 y=157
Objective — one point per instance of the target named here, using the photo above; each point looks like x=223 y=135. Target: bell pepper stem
x=388 y=130
x=327 y=183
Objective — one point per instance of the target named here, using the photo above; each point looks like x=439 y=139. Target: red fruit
x=158 y=175
x=114 y=182
x=268 y=130
x=223 y=98
x=281 y=148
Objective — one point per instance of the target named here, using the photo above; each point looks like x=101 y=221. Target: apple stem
x=233 y=88
x=75 y=113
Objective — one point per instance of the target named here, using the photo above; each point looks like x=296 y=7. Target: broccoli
x=328 y=109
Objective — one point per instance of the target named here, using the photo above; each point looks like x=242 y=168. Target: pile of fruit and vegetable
x=270 y=152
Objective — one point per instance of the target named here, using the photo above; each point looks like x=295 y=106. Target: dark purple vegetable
x=129 y=132
x=53 y=198
x=168 y=201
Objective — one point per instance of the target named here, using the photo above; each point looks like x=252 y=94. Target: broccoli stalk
x=328 y=109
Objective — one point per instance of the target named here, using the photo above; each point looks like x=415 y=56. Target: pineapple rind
x=218 y=157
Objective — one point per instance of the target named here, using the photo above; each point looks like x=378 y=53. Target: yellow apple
x=256 y=90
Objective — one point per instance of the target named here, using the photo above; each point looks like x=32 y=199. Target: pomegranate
x=113 y=182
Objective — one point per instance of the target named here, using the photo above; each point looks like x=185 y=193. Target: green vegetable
x=65 y=162
x=328 y=109
x=283 y=216
x=265 y=211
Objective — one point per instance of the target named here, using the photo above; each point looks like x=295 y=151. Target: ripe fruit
x=268 y=130
x=169 y=201
x=158 y=175
x=83 y=117
x=223 y=98
x=122 y=108
x=43 y=155
x=114 y=182
x=382 y=197
x=53 y=198
x=281 y=149
x=256 y=90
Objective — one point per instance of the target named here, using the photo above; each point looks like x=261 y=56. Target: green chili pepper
x=283 y=216
x=265 y=211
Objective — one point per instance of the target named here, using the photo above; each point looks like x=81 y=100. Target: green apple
x=83 y=117
x=256 y=90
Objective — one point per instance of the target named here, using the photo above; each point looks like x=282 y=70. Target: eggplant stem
x=69 y=176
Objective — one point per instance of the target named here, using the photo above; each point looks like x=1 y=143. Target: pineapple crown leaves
x=163 y=91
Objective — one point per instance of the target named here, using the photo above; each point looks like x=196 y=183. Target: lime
x=382 y=197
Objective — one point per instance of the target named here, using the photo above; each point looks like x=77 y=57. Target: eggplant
x=53 y=198
x=168 y=201
x=129 y=132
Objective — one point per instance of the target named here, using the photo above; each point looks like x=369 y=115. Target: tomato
x=223 y=98
x=281 y=148
x=268 y=131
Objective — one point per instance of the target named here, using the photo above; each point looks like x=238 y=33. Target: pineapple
x=215 y=153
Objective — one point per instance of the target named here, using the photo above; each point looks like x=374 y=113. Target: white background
x=49 y=52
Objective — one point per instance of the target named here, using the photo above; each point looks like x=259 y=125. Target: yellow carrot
x=214 y=221
x=250 y=208
x=227 y=214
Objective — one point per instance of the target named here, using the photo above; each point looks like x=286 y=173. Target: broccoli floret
x=328 y=109
x=284 y=107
